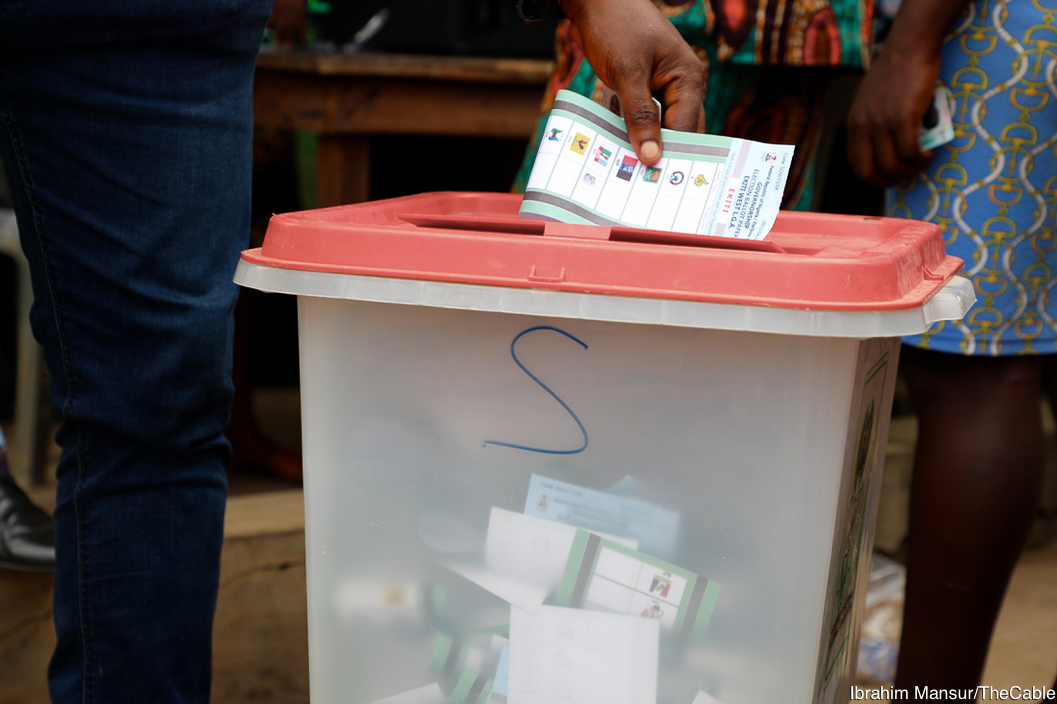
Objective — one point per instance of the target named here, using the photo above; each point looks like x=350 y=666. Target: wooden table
x=348 y=98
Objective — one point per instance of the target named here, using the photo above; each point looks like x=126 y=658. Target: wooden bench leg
x=343 y=170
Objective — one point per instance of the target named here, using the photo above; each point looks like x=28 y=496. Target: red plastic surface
x=808 y=261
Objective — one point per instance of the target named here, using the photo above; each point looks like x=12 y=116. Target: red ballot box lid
x=808 y=261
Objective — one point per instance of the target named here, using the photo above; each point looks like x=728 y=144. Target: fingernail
x=650 y=150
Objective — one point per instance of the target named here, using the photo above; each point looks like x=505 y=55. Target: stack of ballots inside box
x=594 y=607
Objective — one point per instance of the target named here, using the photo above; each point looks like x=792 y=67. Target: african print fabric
x=767 y=67
x=993 y=190
x=790 y=32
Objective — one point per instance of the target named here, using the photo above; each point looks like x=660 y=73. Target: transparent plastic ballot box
x=567 y=464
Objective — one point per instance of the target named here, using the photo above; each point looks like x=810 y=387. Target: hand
x=885 y=118
x=884 y=145
x=635 y=50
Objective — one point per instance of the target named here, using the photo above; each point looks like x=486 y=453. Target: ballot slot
x=515 y=226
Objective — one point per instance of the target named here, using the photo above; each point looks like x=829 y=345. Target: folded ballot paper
x=606 y=576
x=430 y=694
x=653 y=528
x=529 y=559
x=586 y=172
x=561 y=656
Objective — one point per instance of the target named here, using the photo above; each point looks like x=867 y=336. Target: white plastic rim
x=951 y=302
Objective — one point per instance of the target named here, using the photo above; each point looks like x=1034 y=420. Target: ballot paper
x=654 y=528
x=560 y=655
x=525 y=558
x=937 y=126
x=586 y=172
x=704 y=698
x=484 y=679
x=472 y=688
x=430 y=694
x=474 y=661
x=527 y=595
x=606 y=576
x=498 y=695
x=531 y=550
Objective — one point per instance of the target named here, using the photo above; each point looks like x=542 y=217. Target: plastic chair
x=27 y=454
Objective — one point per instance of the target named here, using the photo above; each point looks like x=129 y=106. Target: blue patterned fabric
x=993 y=190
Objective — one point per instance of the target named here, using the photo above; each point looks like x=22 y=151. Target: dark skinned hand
x=885 y=117
x=635 y=50
x=884 y=145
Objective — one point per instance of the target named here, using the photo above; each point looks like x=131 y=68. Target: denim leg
x=127 y=139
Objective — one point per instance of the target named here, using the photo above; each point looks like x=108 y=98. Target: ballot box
x=592 y=465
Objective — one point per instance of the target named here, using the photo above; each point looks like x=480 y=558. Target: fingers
x=888 y=168
x=860 y=154
x=884 y=147
x=635 y=50
x=884 y=122
x=885 y=158
x=908 y=146
x=683 y=102
x=643 y=121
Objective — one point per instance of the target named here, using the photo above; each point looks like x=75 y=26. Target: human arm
x=635 y=50
x=886 y=113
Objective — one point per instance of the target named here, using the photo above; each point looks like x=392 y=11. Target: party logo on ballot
x=626 y=168
x=661 y=584
x=579 y=143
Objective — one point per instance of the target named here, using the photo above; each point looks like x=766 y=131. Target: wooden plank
x=373 y=106
x=27 y=636
x=260 y=633
x=289 y=102
x=459 y=68
x=255 y=515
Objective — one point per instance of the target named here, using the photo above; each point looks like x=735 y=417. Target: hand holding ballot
x=884 y=122
x=586 y=172
x=885 y=118
x=635 y=50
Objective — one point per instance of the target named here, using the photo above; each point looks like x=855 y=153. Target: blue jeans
x=125 y=130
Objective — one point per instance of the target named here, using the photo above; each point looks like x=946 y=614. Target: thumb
x=643 y=120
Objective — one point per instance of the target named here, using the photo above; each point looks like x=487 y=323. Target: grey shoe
x=27 y=533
